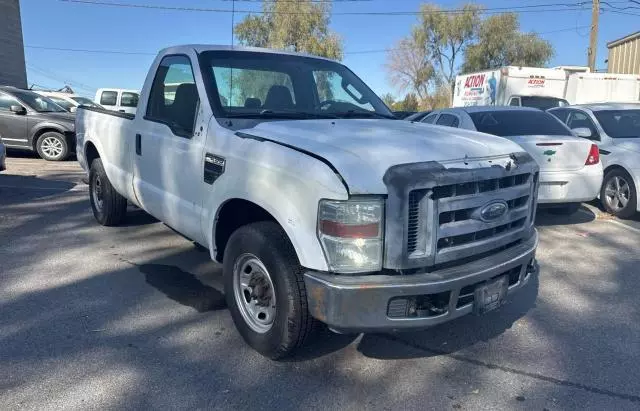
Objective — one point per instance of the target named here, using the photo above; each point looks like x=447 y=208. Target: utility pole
x=593 y=39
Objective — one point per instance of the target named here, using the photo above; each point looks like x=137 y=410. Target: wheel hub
x=254 y=293
x=52 y=147
x=617 y=193
x=97 y=192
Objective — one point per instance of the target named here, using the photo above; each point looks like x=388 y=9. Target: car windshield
x=269 y=85
x=620 y=123
x=84 y=101
x=62 y=103
x=38 y=103
x=542 y=103
x=506 y=123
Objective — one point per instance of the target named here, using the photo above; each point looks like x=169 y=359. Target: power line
x=100 y=51
x=57 y=77
x=534 y=8
x=91 y=50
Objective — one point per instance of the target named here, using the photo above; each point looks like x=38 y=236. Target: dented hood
x=362 y=150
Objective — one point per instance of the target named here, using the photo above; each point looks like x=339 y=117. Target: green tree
x=301 y=26
x=427 y=60
x=388 y=99
x=500 y=43
x=409 y=103
x=445 y=36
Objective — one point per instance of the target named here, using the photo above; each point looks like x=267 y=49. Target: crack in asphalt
x=556 y=381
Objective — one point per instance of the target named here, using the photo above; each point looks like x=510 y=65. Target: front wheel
x=109 y=207
x=265 y=291
x=618 y=194
x=52 y=146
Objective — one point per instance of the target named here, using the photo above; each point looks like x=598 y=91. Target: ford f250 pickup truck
x=320 y=206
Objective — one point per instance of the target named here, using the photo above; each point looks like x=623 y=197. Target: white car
x=616 y=129
x=68 y=101
x=117 y=99
x=570 y=168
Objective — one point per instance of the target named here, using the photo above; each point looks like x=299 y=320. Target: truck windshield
x=620 y=123
x=508 y=123
x=269 y=85
x=543 y=103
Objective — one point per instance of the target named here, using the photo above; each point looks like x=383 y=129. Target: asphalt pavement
x=132 y=317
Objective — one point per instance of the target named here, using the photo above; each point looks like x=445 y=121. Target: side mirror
x=583 y=132
x=18 y=110
x=73 y=109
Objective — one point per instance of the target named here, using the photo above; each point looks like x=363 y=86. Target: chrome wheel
x=617 y=193
x=254 y=293
x=98 y=194
x=52 y=147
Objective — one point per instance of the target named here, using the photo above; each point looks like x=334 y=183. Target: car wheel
x=109 y=207
x=618 y=194
x=52 y=146
x=265 y=291
x=565 y=209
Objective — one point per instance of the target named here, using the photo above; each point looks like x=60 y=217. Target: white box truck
x=542 y=88
x=585 y=88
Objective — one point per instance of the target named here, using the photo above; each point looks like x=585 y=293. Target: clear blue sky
x=54 y=23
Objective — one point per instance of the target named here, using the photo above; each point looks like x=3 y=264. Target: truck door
x=168 y=153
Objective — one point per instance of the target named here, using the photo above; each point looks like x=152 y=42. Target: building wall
x=12 y=66
x=624 y=55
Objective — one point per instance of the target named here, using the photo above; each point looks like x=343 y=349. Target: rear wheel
x=52 y=146
x=109 y=207
x=565 y=209
x=618 y=194
x=265 y=291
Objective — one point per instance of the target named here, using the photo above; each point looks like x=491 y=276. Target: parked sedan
x=33 y=122
x=68 y=101
x=616 y=129
x=570 y=168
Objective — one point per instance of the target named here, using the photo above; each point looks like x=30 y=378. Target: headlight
x=351 y=234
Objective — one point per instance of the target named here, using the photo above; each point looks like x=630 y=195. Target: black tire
x=627 y=211
x=109 y=207
x=565 y=209
x=292 y=326
x=52 y=146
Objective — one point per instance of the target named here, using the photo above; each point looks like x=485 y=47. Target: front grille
x=460 y=231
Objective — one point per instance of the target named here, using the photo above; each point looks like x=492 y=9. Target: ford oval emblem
x=493 y=211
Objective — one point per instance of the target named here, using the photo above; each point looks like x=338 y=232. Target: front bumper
x=378 y=302
x=570 y=186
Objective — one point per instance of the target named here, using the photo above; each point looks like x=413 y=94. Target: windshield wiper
x=362 y=114
x=282 y=114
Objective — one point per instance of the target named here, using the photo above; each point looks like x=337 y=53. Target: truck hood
x=363 y=149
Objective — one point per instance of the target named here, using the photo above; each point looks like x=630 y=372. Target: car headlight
x=351 y=234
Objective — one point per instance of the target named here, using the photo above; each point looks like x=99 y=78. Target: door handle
x=138 y=144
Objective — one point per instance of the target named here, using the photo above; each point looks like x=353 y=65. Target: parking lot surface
x=132 y=317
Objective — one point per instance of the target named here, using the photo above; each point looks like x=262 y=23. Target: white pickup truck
x=319 y=205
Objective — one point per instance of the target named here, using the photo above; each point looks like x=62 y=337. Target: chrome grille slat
x=470 y=226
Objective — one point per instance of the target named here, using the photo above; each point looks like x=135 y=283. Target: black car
x=33 y=122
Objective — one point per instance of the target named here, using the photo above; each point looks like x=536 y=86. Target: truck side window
x=129 y=99
x=578 y=119
x=173 y=99
x=448 y=120
x=108 y=98
x=515 y=101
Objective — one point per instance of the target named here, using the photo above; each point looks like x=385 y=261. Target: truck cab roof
x=200 y=48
